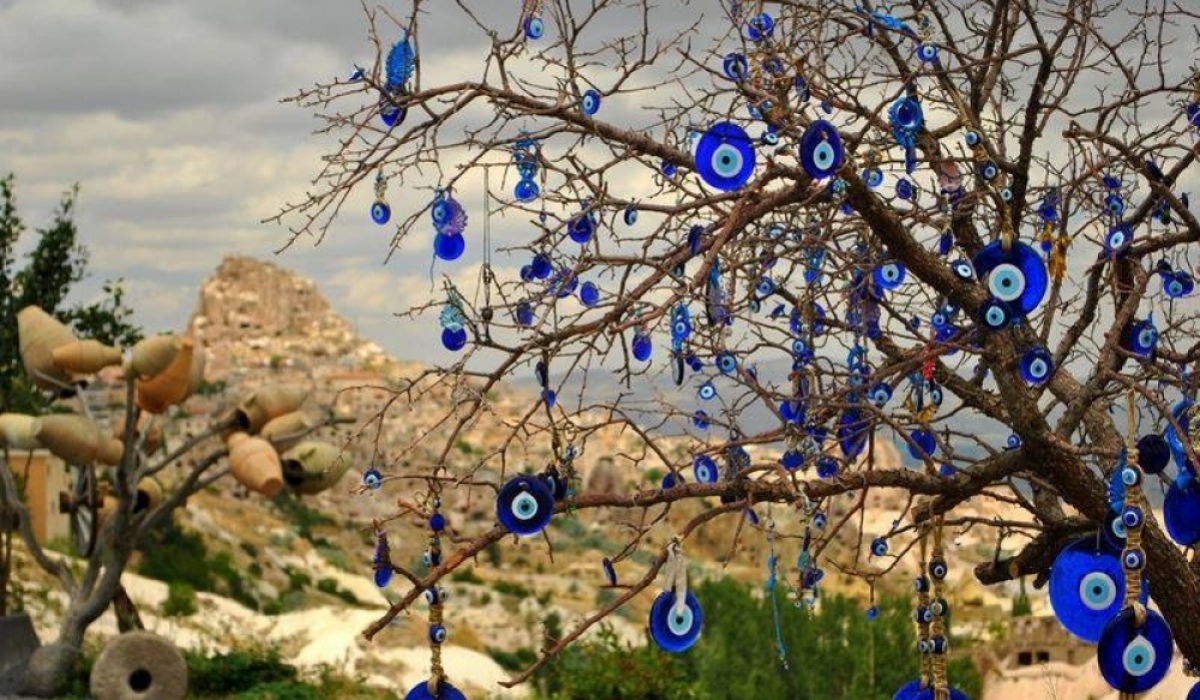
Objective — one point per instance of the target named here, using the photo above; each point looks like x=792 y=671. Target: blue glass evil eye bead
x=449 y=246
x=590 y=104
x=526 y=191
x=734 y=66
x=1017 y=277
x=1181 y=512
x=454 y=339
x=725 y=157
x=927 y=53
x=821 y=151
x=535 y=27
x=707 y=391
x=1087 y=587
x=1134 y=658
x=1118 y=240
x=1037 y=366
x=879 y=547
x=642 y=347
x=524 y=505
x=890 y=275
x=705 y=469
x=581 y=228
x=760 y=27
x=589 y=294
x=995 y=314
x=675 y=631
x=1153 y=453
x=873 y=177
x=372 y=479
x=924 y=443
x=1142 y=339
x=446 y=691
x=383 y=575
x=963 y=269
x=381 y=213
x=880 y=394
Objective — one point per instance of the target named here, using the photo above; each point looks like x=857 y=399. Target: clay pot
x=111 y=452
x=40 y=333
x=286 y=431
x=153 y=439
x=170 y=386
x=19 y=431
x=312 y=467
x=150 y=493
x=85 y=356
x=152 y=355
x=271 y=402
x=108 y=506
x=199 y=359
x=74 y=439
x=255 y=464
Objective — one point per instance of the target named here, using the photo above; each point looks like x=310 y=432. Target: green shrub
x=181 y=600
x=237 y=671
x=512 y=589
x=175 y=554
x=513 y=661
x=465 y=576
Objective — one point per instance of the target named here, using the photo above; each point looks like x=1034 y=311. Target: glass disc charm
x=590 y=104
x=1018 y=277
x=631 y=215
x=1181 y=511
x=524 y=506
x=581 y=228
x=449 y=247
x=852 y=432
x=526 y=191
x=924 y=443
x=1142 y=339
x=454 y=339
x=890 y=276
x=705 y=469
x=589 y=294
x=373 y=479
x=760 y=27
x=734 y=66
x=821 y=151
x=1134 y=658
x=995 y=314
x=1118 y=240
x=1037 y=366
x=672 y=631
x=383 y=576
x=1178 y=284
x=445 y=692
x=725 y=157
x=381 y=213
x=927 y=53
x=642 y=347
x=535 y=27
x=390 y=114
x=1087 y=587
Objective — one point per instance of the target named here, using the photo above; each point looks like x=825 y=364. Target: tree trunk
x=50 y=667
x=128 y=619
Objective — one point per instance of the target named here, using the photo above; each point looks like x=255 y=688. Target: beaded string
x=937 y=627
x=922 y=586
x=436 y=598
x=1133 y=558
x=772 y=578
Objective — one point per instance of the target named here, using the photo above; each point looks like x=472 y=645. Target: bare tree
x=115 y=509
x=956 y=221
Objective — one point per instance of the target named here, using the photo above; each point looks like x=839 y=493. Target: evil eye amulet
x=454 y=339
x=1134 y=658
x=890 y=276
x=879 y=547
x=381 y=213
x=705 y=469
x=995 y=314
x=734 y=66
x=535 y=27
x=1181 y=512
x=1087 y=587
x=525 y=505
x=446 y=691
x=1037 y=366
x=1142 y=339
x=672 y=630
x=590 y=104
x=1153 y=453
x=1017 y=277
x=437 y=634
x=821 y=151
x=938 y=569
x=725 y=157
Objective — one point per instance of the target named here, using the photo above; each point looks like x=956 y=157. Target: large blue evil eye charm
x=821 y=151
x=535 y=27
x=445 y=692
x=590 y=104
x=913 y=690
x=890 y=276
x=705 y=469
x=1133 y=658
x=995 y=314
x=1181 y=511
x=454 y=339
x=672 y=630
x=734 y=66
x=1017 y=277
x=381 y=213
x=449 y=246
x=525 y=505
x=1153 y=453
x=1087 y=587
x=1142 y=339
x=725 y=157
x=1037 y=366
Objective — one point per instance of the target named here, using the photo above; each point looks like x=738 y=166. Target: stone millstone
x=139 y=666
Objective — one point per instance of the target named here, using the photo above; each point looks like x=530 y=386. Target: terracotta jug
x=255 y=464
x=152 y=355
x=39 y=334
x=150 y=494
x=85 y=356
x=19 y=431
x=74 y=439
x=271 y=402
x=199 y=359
x=153 y=439
x=286 y=431
x=170 y=386
x=313 y=467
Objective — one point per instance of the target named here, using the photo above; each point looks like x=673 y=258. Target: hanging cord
x=925 y=668
x=675 y=572
x=937 y=626
x=1134 y=498
x=772 y=569
x=485 y=270
x=437 y=631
